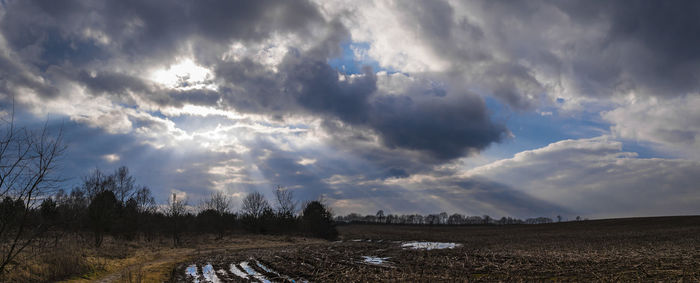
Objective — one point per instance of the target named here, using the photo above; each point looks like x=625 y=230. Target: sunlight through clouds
x=185 y=74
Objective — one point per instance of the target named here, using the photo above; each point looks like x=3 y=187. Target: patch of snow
x=209 y=274
x=192 y=271
x=429 y=245
x=375 y=260
x=267 y=269
x=254 y=273
x=238 y=272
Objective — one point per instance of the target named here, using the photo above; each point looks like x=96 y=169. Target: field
x=634 y=249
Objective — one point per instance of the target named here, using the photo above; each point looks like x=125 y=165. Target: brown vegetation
x=75 y=259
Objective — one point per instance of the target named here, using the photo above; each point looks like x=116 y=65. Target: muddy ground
x=640 y=249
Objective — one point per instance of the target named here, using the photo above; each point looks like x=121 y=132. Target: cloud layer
x=216 y=95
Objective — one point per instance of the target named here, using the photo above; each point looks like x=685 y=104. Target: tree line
x=437 y=219
x=112 y=204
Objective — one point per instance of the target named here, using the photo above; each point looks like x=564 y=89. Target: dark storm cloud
x=72 y=41
x=13 y=76
x=657 y=41
x=145 y=29
x=519 y=51
x=444 y=128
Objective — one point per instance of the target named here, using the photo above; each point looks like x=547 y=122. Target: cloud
x=670 y=125
x=525 y=52
x=231 y=96
x=595 y=177
x=445 y=127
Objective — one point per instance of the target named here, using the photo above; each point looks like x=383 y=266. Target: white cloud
x=671 y=125
x=185 y=74
x=596 y=178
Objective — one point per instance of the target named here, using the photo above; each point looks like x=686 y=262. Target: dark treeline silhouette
x=436 y=219
x=112 y=204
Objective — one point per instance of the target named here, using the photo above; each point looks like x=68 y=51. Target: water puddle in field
x=248 y=269
x=251 y=269
x=192 y=271
x=429 y=245
x=209 y=274
x=375 y=260
x=238 y=272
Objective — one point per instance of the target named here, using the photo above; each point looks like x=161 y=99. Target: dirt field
x=639 y=249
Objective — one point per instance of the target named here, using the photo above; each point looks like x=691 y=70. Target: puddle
x=244 y=270
x=375 y=260
x=267 y=269
x=192 y=271
x=253 y=273
x=209 y=274
x=429 y=245
x=238 y=272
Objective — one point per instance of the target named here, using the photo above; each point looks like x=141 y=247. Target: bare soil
x=633 y=249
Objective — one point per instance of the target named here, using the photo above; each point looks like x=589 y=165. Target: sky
x=525 y=109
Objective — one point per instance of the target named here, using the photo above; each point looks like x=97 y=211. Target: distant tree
x=97 y=182
x=432 y=219
x=129 y=220
x=380 y=216
x=218 y=202
x=559 y=218
x=211 y=220
x=455 y=219
x=72 y=208
x=145 y=201
x=486 y=219
x=102 y=213
x=175 y=211
x=391 y=219
x=123 y=184
x=48 y=211
x=317 y=220
x=443 y=217
x=286 y=205
x=254 y=204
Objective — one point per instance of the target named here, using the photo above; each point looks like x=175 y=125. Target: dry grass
x=155 y=262
x=63 y=261
x=73 y=257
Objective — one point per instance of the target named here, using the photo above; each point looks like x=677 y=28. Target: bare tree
x=97 y=182
x=175 y=210
x=218 y=202
x=28 y=160
x=286 y=205
x=145 y=201
x=123 y=184
x=380 y=216
x=254 y=204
